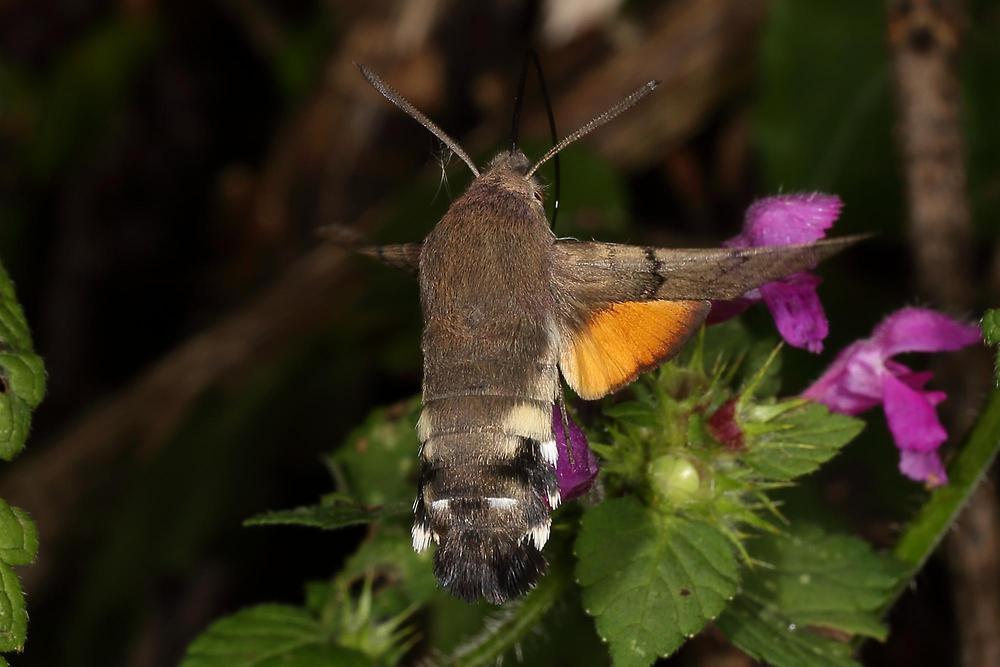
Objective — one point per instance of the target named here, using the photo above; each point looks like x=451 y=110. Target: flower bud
x=674 y=478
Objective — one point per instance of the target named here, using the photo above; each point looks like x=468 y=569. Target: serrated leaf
x=22 y=375
x=13 y=614
x=825 y=580
x=792 y=438
x=18 y=536
x=22 y=386
x=378 y=463
x=269 y=635
x=332 y=514
x=766 y=635
x=991 y=334
x=651 y=580
x=811 y=579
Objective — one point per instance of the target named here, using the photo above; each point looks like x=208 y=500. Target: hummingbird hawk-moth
x=509 y=309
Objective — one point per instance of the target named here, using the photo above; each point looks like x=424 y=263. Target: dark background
x=164 y=167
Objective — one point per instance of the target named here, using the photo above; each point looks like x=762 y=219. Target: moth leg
x=561 y=402
x=402 y=256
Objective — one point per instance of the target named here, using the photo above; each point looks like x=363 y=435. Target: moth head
x=486 y=549
x=509 y=170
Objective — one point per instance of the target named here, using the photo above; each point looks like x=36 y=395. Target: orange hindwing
x=619 y=342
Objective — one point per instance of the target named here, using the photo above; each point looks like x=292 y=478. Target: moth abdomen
x=485 y=498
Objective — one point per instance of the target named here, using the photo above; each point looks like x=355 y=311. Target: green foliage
x=703 y=442
x=809 y=580
x=965 y=473
x=689 y=535
x=337 y=625
x=333 y=512
x=22 y=386
x=792 y=438
x=767 y=635
x=22 y=376
x=651 y=580
x=266 y=636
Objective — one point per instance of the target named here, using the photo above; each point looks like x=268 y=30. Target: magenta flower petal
x=797 y=312
x=923 y=330
x=852 y=383
x=793 y=302
x=912 y=419
x=576 y=465
x=923 y=467
x=864 y=375
x=787 y=220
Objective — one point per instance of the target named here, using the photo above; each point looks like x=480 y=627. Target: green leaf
x=991 y=333
x=378 y=464
x=22 y=376
x=18 y=536
x=270 y=635
x=651 y=580
x=792 y=438
x=333 y=513
x=13 y=614
x=766 y=635
x=810 y=579
x=22 y=386
x=824 y=580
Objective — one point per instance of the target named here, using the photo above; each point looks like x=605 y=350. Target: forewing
x=402 y=256
x=625 y=309
x=616 y=272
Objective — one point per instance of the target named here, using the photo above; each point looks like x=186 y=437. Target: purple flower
x=864 y=375
x=793 y=302
x=576 y=465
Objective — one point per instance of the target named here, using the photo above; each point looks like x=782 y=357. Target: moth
x=508 y=310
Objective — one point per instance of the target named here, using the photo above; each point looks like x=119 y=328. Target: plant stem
x=936 y=517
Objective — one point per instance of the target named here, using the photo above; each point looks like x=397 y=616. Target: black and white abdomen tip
x=489 y=520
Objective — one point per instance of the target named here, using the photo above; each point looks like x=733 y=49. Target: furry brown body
x=509 y=310
x=490 y=349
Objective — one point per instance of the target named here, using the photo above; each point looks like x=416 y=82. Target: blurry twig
x=924 y=36
x=697 y=49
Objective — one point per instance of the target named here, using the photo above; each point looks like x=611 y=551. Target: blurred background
x=164 y=167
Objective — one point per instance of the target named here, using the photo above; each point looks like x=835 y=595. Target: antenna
x=530 y=55
x=391 y=94
x=596 y=122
